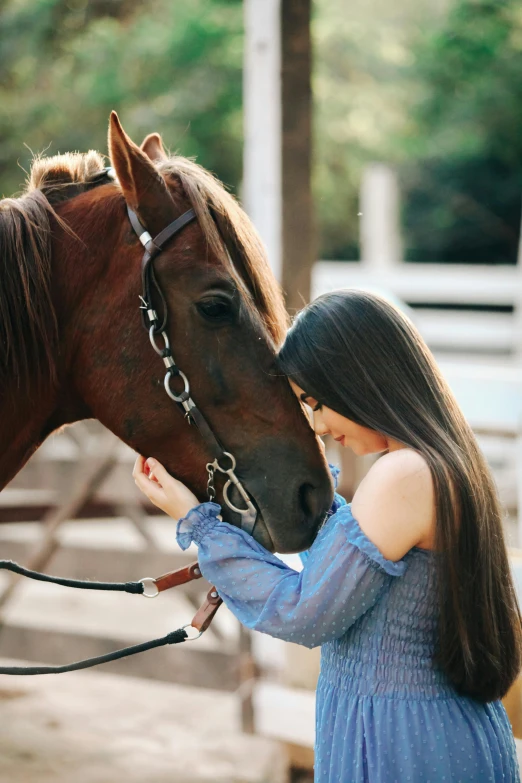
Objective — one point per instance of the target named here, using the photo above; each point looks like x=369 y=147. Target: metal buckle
x=250 y=512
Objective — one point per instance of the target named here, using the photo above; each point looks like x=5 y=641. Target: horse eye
x=215 y=309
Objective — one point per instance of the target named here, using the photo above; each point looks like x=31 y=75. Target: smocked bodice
x=390 y=649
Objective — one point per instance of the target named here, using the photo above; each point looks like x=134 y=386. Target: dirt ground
x=102 y=728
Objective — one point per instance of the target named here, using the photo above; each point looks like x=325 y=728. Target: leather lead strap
x=179 y=577
x=206 y=612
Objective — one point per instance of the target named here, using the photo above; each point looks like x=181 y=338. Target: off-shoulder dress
x=385 y=713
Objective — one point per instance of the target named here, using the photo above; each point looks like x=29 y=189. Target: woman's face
x=361 y=440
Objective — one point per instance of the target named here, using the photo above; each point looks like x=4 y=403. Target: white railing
x=442 y=284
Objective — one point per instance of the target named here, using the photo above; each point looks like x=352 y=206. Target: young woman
x=408 y=588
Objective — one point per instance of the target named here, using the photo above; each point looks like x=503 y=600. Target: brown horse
x=72 y=345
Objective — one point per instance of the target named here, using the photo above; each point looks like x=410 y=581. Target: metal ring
x=191 y=638
x=229 y=502
x=152 y=338
x=150 y=584
x=169 y=391
x=232 y=460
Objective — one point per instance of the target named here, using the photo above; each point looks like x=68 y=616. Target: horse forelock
x=226 y=227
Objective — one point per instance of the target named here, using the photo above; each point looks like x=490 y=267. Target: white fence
x=479 y=351
x=494 y=334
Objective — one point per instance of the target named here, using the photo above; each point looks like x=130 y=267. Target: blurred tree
x=436 y=92
x=167 y=65
x=363 y=50
x=464 y=178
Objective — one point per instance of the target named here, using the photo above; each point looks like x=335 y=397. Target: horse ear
x=152 y=146
x=143 y=187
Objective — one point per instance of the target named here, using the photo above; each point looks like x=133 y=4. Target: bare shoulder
x=395 y=504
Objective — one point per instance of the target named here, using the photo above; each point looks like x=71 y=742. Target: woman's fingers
x=151 y=489
x=166 y=492
x=157 y=472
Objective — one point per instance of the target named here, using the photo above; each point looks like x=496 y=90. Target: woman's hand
x=167 y=493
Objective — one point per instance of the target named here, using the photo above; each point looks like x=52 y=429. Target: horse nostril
x=308 y=501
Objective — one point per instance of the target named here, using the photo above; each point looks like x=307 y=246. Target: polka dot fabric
x=385 y=713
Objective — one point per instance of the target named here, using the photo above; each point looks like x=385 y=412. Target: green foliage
x=436 y=92
x=169 y=65
x=464 y=181
x=435 y=89
x=362 y=88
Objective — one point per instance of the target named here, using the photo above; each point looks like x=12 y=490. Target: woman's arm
x=343 y=577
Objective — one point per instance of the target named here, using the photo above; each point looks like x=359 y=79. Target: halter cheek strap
x=156 y=329
x=153 y=248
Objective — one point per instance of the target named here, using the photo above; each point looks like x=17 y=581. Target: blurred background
x=374 y=144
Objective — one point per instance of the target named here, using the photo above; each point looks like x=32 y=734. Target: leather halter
x=149 y=587
x=157 y=328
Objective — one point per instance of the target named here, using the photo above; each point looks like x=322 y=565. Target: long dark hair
x=360 y=356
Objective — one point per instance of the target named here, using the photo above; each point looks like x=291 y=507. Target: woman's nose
x=319 y=426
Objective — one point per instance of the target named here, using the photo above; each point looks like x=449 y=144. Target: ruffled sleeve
x=197 y=523
x=344 y=577
x=360 y=540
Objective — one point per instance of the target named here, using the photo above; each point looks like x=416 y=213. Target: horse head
x=226 y=318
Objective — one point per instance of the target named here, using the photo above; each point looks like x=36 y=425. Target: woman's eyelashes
x=310 y=402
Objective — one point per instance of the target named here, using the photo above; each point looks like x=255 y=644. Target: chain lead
x=211 y=490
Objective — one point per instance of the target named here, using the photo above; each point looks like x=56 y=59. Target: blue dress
x=384 y=713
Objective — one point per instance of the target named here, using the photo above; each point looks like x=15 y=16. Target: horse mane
x=28 y=325
x=28 y=328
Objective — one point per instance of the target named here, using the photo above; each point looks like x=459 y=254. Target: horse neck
x=27 y=417
x=29 y=414
x=23 y=418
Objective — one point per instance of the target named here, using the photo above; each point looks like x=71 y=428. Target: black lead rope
x=175 y=637
x=126 y=587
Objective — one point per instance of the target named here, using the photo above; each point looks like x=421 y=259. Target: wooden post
x=262 y=124
x=299 y=231
x=278 y=138
x=380 y=228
